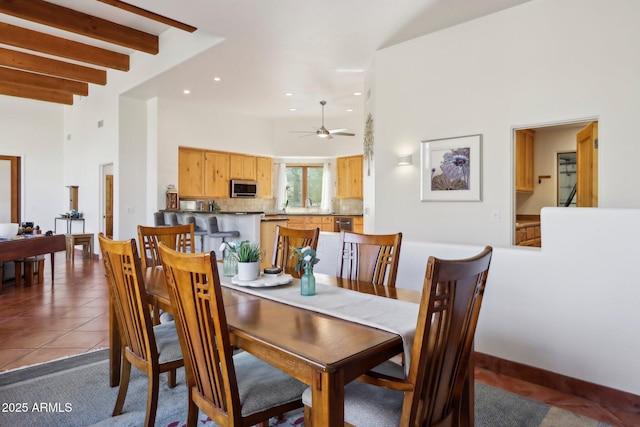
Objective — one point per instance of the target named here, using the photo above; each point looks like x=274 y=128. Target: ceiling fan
x=323 y=132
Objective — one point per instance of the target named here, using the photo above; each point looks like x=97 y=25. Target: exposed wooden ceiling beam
x=148 y=14
x=37 y=94
x=41 y=42
x=40 y=64
x=81 y=23
x=56 y=84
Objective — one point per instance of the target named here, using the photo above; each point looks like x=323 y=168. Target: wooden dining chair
x=179 y=237
x=233 y=390
x=431 y=393
x=369 y=257
x=285 y=239
x=152 y=349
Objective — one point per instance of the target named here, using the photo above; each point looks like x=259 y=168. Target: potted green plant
x=248 y=255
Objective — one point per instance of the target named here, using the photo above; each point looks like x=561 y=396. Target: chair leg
x=308 y=419
x=171 y=378
x=192 y=409
x=152 y=399
x=124 y=385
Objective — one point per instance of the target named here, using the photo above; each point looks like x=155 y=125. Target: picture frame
x=451 y=169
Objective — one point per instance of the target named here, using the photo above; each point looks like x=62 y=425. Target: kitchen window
x=304 y=185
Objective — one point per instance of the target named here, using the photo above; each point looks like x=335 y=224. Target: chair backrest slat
x=369 y=257
x=449 y=310
x=178 y=237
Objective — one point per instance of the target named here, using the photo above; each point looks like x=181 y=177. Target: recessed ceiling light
x=288 y=94
x=186 y=91
x=216 y=79
x=350 y=70
x=357 y=93
x=350 y=110
x=293 y=109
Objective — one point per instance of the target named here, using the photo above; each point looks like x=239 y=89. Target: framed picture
x=451 y=169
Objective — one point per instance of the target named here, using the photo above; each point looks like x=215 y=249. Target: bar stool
x=198 y=232
x=31 y=274
x=159 y=218
x=214 y=231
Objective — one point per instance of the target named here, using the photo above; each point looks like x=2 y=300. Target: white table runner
x=398 y=317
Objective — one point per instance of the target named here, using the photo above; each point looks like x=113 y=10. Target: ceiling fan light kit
x=323 y=132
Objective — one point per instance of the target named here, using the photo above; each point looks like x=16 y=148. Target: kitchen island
x=247 y=223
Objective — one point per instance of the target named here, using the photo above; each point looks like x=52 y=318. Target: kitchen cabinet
x=242 y=167
x=216 y=174
x=206 y=173
x=349 y=177
x=323 y=222
x=264 y=173
x=358 y=224
x=268 y=238
x=524 y=160
x=190 y=172
x=528 y=235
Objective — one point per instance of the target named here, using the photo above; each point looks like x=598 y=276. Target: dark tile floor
x=40 y=323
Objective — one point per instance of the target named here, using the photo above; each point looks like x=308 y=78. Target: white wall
x=568 y=307
x=33 y=130
x=543 y=61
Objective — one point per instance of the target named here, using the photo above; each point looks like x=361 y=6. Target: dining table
x=29 y=245
x=321 y=350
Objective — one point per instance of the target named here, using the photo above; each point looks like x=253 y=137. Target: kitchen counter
x=274 y=218
x=314 y=214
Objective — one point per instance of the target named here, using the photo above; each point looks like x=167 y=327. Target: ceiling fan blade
x=342 y=133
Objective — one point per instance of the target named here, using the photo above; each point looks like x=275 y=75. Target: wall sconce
x=405 y=160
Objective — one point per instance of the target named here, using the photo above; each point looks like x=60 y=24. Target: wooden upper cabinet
x=190 y=172
x=524 y=160
x=264 y=172
x=349 y=177
x=242 y=167
x=216 y=174
x=205 y=173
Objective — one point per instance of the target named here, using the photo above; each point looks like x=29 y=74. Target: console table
x=69 y=221
x=32 y=245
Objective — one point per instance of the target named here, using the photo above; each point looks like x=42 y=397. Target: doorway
x=567 y=179
x=537 y=177
x=10 y=188
x=107 y=200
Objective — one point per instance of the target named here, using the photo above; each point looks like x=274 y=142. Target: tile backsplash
x=341 y=206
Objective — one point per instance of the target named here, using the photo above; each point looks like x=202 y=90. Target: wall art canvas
x=451 y=169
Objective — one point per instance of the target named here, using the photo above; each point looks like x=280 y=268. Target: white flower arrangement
x=305 y=257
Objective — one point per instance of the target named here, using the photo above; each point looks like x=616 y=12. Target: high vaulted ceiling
x=309 y=48
x=54 y=52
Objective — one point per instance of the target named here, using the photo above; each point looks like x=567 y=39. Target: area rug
x=74 y=392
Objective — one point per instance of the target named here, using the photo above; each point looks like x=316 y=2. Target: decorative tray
x=264 y=281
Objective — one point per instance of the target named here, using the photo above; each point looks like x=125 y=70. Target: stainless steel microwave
x=243 y=188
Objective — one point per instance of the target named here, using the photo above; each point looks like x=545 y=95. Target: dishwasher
x=343 y=223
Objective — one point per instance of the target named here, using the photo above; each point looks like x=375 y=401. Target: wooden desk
x=322 y=351
x=37 y=244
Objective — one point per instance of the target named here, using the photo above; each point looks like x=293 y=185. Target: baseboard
x=603 y=395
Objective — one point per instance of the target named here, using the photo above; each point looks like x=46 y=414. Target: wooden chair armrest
x=382 y=380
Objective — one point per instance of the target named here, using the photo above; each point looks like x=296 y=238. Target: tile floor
x=44 y=322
